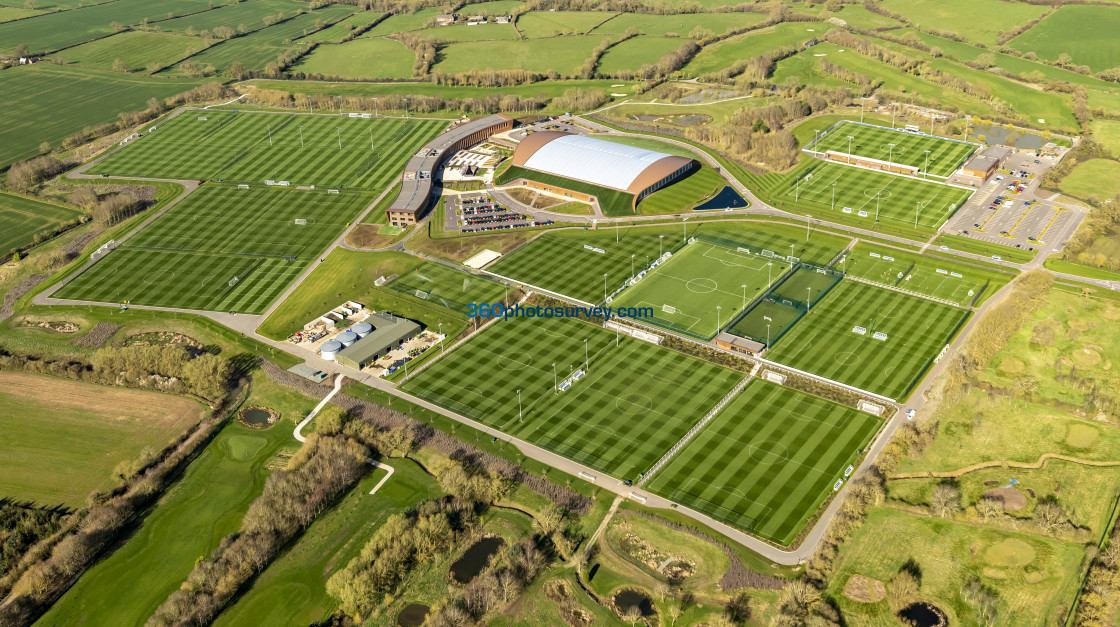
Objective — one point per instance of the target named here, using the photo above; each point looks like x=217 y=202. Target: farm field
x=343 y=28
x=21 y=218
x=189 y=520
x=1036 y=577
x=680 y=25
x=254 y=147
x=79 y=98
x=137 y=50
x=1085 y=33
x=1095 y=177
x=824 y=341
x=92 y=429
x=8 y=14
x=538 y=24
x=52 y=31
x=636 y=52
x=249 y=13
x=767 y=460
x=593 y=422
x=875 y=142
x=577 y=272
x=986 y=18
x=919 y=273
x=293 y=587
x=401 y=22
x=563 y=54
x=869 y=195
x=549 y=88
x=685 y=291
x=447 y=287
x=1107 y=132
x=220 y=249
x=462 y=32
x=360 y=58
x=719 y=56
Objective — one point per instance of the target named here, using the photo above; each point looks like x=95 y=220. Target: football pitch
x=686 y=291
x=220 y=249
x=21 y=218
x=868 y=196
x=325 y=151
x=945 y=155
x=827 y=343
x=453 y=289
x=767 y=460
x=955 y=282
x=634 y=403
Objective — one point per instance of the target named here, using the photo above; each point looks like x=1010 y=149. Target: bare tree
x=989 y=507
x=1049 y=515
x=945 y=500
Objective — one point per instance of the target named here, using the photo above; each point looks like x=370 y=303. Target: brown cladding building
x=601 y=163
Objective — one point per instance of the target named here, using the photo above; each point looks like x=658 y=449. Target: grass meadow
x=986 y=18
x=1035 y=578
x=343 y=28
x=22 y=218
x=636 y=52
x=563 y=54
x=719 y=56
x=189 y=520
x=462 y=32
x=685 y=291
x=135 y=49
x=1095 y=177
x=540 y=24
x=79 y=97
x=678 y=25
x=220 y=249
x=594 y=422
x=251 y=13
x=360 y=58
x=63 y=439
x=1085 y=33
x=896 y=146
x=767 y=460
x=403 y=22
x=254 y=147
x=578 y=272
x=824 y=341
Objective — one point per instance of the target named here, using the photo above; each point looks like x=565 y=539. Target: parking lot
x=1006 y=211
x=477 y=212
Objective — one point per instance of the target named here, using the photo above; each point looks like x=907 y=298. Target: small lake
x=923 y=615
x=475 y=559
x=627 y=599
x=256 y=417
x=413 y=615
x=727 y=198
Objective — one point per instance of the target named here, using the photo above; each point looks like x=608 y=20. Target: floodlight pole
x=269 y=133
x=925 y=170
x=768 y=335
x=809 y=301
x=520 y=416
x=375 y=108
x=834 y=195
x=631 y=268
x=660 y=246
x=861 y=103
x=371 y=139
x=616 y=231
x=555 y=384
x=850 y=138
x=817 y=138
x=877 y=204
x=917 y=205
x=769 y=272
x=586 y=359
x=685 y=227
x=441 y=338
x=301 y=136
x=808 y=224
x=744 y=296
x=604 y=288
x=339 y=133
x=717 y=319
x=890 y=153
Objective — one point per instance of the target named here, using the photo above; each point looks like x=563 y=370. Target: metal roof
x=594 y=161
x=388 y=330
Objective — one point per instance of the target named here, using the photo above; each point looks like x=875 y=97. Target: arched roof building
x=601 y=163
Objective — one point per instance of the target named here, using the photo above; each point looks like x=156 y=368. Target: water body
x=627 y=599
x=413 y=615
x=923 y=615
x=256 y=417
x=475 y=559
x=727 y=198
x=1007 y=137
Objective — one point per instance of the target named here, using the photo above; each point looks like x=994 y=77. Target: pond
x=923 y=614
x=628 y=598
x=727 y=198
x=475 y=559
x=256 y=417
x=413 y=615
x=1007 y=137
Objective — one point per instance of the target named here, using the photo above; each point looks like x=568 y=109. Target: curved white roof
x=591 y=160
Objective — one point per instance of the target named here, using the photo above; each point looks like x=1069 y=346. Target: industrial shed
x=637 y=172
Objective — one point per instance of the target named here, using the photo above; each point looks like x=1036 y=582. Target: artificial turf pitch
x=220 y=249
x=453 y=289
x=636 y=401
x=685 y=291
x=767 y=460
x=824 y=342
x=304 y=150
x=945 y=155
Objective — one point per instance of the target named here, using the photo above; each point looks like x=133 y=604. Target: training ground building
x=388 y=333
x=635 y=171
x=415 y=197
x=987 y=162
x=873 y=164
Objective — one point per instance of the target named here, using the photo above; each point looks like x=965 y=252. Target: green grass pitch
x=945 y=155
x=956 y=282
x=894 y=199
x=685 y=291
x=577 y=272
x=21 y=218
x=220 y=249
x=766 y=322
x=254 y=147
x=451 y=288
x=767 y=460
x=636 y=401
x=824 y=343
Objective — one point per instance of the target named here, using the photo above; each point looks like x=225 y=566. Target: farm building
x=634 y=171
x=385 y=333
x=986 y=163
x=415 y=197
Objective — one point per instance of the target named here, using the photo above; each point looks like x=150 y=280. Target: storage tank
x=347 y=338
x=329 y=349
x=362 y=329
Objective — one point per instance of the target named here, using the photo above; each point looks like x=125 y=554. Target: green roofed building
x=388 y=333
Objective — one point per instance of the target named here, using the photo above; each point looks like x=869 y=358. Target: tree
x=902 y=588
x=632 y=614
x=116 y=26
x=739 y=608
x=797 y=600
x=236 y=71
x=676 y=607
x=84 y=197
x=30 y=5
x=192 y=69
x=1049 y=515
x=44 y=147
x=989 y=508
x=945 y=500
